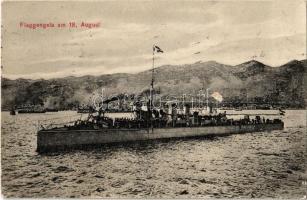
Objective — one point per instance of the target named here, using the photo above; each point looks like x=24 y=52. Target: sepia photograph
x=154 y=99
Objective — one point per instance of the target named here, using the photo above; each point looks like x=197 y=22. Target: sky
x=228 y=32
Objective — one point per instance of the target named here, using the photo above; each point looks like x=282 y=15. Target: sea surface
x=263 y=165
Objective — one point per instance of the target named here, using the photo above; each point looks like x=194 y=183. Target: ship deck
x=60 y=139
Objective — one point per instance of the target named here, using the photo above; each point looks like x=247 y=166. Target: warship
x=26 y=109
x=147 y=124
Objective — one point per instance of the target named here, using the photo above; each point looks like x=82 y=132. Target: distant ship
x=24 y=109
x=84 y=109
x=52 y=110
x=149 y=124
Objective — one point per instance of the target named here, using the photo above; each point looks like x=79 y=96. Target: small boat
x=13 y=112
x=281 y=112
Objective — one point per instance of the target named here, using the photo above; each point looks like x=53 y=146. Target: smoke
x=217 y=96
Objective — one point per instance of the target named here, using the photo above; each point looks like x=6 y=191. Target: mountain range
x=251 y=81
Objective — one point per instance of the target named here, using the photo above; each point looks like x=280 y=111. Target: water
x=250 y=165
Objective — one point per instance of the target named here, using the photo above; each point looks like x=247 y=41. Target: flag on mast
x=157 y=49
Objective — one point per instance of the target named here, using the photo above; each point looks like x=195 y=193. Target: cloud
x=188 y=31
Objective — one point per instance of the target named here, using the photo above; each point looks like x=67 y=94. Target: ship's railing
x=59 y=121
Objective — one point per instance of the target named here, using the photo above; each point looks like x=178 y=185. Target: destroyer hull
x=59 y=140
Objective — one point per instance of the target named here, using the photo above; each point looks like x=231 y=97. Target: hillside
x=250 y=81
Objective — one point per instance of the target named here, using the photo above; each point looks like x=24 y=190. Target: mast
x=159 y=50
x=152 y=77
x=207 y=91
